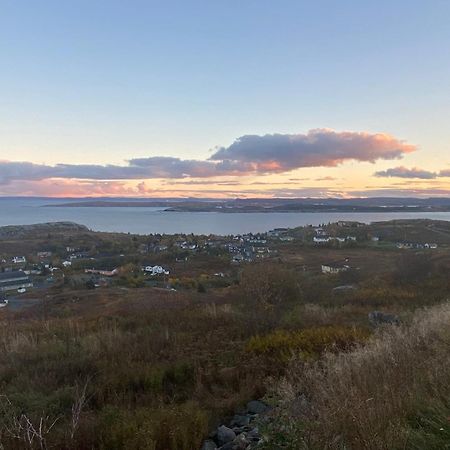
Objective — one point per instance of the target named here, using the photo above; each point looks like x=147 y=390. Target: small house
x=335 y=267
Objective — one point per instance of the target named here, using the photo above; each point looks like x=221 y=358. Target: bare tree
x=32 y=433
x=78 y=405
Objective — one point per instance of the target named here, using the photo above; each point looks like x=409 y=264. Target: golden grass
x=363 y=399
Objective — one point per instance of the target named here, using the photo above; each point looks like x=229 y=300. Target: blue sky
x=102 y=82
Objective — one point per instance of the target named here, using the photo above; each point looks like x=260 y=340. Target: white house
x=334 y=267
x=155 y=270
x=105 y=273
x=320 y=240
x=19 y=260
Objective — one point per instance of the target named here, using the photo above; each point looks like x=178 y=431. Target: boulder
x=257 y=407
x=227 y=446
x=254 y=435
x=225 y=435
x=240 y=420
x=241 y=442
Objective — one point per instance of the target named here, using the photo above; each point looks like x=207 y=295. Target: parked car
x=21 y=290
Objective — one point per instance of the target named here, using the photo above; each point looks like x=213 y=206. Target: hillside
x=133 y=360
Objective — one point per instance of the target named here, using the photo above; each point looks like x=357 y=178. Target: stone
x=227 y=446
x=225 y=435
x=240 y=420
x=257 y=407
x=254 y=435
x=241 y=442
x=209 y=445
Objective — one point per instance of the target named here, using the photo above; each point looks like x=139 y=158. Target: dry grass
x=367 y=398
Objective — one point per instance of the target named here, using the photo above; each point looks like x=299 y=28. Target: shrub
x=365 y=399
x=269 y=285
x=310 y=342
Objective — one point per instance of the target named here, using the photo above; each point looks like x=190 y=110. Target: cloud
x=415 y=172
x=248 y=155
x=326 y=179
x=390 y=192
x=317 y=148
x=68 y=188
x=403 y=172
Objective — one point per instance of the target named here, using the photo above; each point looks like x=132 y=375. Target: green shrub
x=310 y=342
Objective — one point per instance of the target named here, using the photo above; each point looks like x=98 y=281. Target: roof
x=335 y=264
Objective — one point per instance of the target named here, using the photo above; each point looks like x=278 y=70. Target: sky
x=248 y=98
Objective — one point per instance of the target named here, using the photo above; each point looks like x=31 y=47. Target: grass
x=391 y=393
x=145 y=368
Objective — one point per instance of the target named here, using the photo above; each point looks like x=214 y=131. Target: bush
x=309 y=343
x=365 y=399
x=269 y=285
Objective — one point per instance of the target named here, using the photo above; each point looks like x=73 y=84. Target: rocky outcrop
x=242 y=431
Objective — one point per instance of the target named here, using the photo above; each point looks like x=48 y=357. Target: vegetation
x=391 y=393
x=133 y=362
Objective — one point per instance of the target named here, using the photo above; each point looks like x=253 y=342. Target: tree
x=269 y=285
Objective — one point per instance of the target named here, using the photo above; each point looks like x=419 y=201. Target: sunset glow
x=267 y=102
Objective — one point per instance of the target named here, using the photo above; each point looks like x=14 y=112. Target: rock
x=240 y=420
x=209 y=445
x=379 y=318
x=227 y=446
x=254 y=435
x=241 y=442
x=225 y=435
x=257 y=407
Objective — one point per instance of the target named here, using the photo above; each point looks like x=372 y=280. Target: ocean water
x=154 y=220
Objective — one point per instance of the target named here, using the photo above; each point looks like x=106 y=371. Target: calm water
x=155 y=220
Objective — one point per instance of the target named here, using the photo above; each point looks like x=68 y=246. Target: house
x=11 y=281
x=67 y=263
x=237 y=259
x=320 y=232
x=349 y=223
x=79 y=255
x=19 y=260
x=321 y=239
x=277 y=231
x=43 y=255
x=104 y=273
x=155 y=270
x=335 y=267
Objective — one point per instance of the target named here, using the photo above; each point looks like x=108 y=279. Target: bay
x=147 y=220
